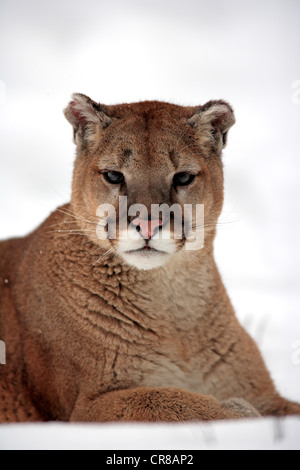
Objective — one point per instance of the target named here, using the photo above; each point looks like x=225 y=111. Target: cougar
x=105 y=328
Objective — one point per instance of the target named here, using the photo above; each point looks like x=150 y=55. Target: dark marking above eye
x=127 y=153
x=174 y=158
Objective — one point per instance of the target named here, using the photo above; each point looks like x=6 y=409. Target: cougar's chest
x=172 y=360
x=135 y=333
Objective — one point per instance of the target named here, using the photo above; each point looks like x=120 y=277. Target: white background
x=186 y=52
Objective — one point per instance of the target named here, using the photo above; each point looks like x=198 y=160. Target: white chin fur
x=145 y=261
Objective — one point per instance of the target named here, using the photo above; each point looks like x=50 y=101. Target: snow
x=185 y=52
x=265 y=434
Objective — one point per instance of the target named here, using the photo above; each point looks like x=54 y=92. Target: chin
x=146 y=260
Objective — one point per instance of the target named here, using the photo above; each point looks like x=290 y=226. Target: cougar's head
x=150 y=174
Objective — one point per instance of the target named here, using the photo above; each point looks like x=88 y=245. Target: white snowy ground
x=266 y=434
x=185 y=52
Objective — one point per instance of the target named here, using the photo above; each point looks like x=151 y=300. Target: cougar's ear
x=85 y=114
x=213 y=120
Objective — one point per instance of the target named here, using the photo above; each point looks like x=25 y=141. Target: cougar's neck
x=188 y=284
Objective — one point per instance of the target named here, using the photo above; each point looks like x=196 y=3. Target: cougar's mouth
x=146 y=254
x=147 y=249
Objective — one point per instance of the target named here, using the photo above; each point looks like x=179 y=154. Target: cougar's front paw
x=242 y=408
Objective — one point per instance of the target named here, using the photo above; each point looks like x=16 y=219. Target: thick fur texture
x=90 y=337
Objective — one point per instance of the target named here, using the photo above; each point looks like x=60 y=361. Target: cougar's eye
x=183 y=179
x=114 y=177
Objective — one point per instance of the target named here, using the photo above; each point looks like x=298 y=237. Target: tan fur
x=90 y=338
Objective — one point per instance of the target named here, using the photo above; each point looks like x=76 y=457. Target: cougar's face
x=151 y=173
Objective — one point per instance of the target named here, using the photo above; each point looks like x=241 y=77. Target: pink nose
x=147 y=227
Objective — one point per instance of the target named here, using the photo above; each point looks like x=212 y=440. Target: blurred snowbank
x=262 y=434
x=185 y=52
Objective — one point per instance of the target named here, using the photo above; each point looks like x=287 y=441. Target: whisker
x=98 y=249
x=103 y=256
x=71 y=232
x=76 y=216
x=84 y=209
x=74 y=230
x=70 y=222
